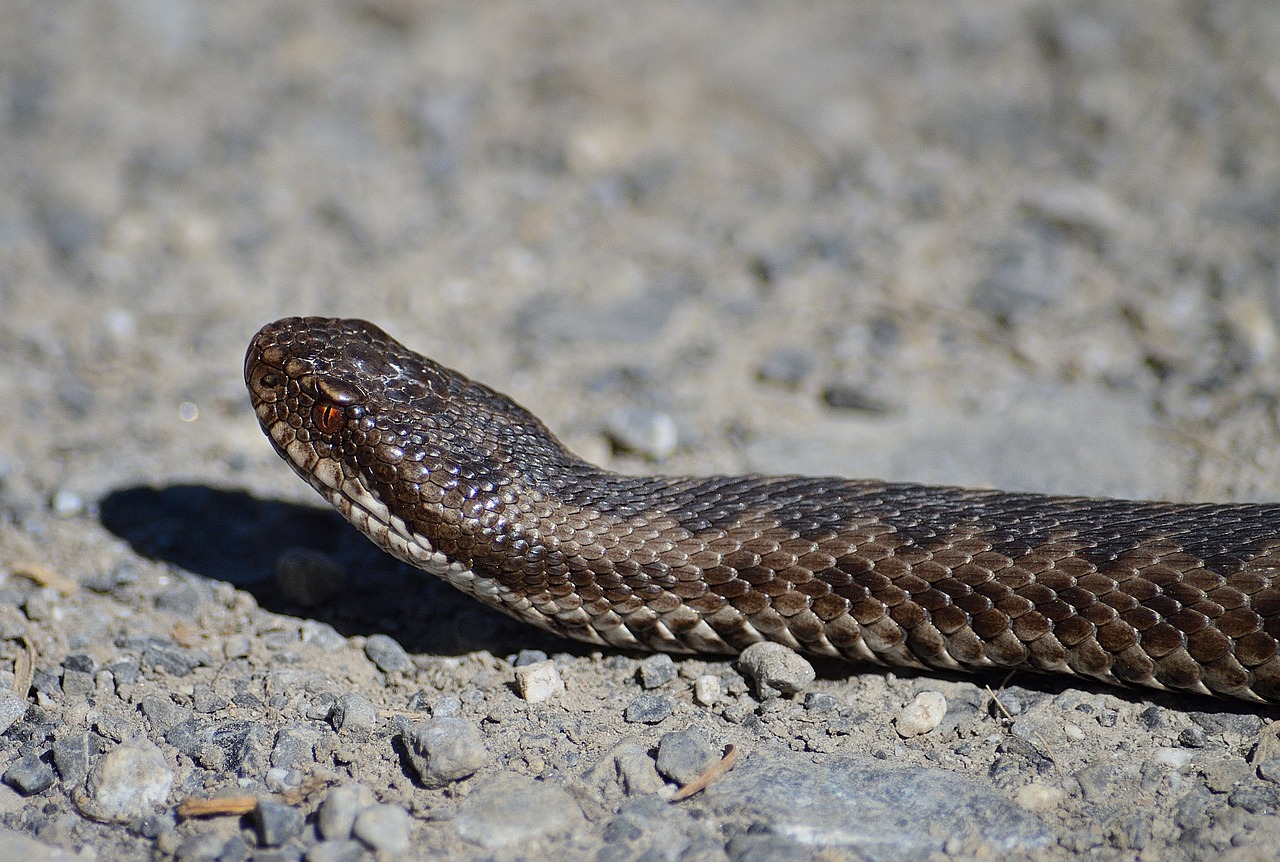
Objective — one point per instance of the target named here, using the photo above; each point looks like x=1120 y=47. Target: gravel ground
x=1004 y=243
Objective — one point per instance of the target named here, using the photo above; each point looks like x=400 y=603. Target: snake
x=457 y=479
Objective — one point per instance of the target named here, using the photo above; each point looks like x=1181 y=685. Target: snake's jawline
x=455 y=478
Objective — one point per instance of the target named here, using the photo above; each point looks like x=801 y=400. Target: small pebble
x=1038 y=797
x=128 y=782
x=295 y=745
x=336 y=851
x=922 y=714
x=642 y=431
x=656 y=670
x=276 y=822
x=337 y=813
x=1256 y=798
x=683 y=755
x=636 y=771
x=775 y=669
x=444 y=750
x=1011 y=703
x=528 y=657
x=514 y=811
x=649 y=709
x=30 y=775
x=384 y=828
x=387 y=654
x=353 y=713
x=819 y=701
x=206 y=846
x=1192 y=737
x=66 y=503
x=786 y=366
x=706 y=689
x=235 y=849
x=309 y=577
x=849 y=396
x=12 y=708
x=1173 y=758
x=539 y=682
x=1269 y=770
x=71 y=757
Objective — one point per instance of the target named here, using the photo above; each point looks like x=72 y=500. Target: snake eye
x=329 y=418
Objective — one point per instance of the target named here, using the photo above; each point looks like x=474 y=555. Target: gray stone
x=384 y=828
x=643 y=431
x=249 y=752
x=842 y=395
x=29 y=775
x=182 y=599
x=289 y=853
x=649 y=709
x=79 y=662
x=387 y=654
x=204 y=846
x=295 y=745
x=337 y=851
x=205 y=700
x=128 y=782
x=656 y=670
x=1270 y=770
x=337 y=813
x=173 y=660
x=276 y=822
x=528 y=657
x=71 y=757
x=77 y=683
x=636 y=772
x=444 y=750
x=515 y=810
x=868 y=807
x=786 y=366
x=654 y=825
x=12 y=708
x=15 y=846
x=235 y=849
x=819 y=701
x=775 y=669
x=353 y=713
x=684 y=755
x=1255 y=797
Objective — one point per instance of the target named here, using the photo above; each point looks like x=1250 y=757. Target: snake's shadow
x=235 y=537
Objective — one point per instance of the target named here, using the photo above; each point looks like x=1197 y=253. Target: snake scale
x=457 y=479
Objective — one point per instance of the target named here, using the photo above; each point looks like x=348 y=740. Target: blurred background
x=1016 y=243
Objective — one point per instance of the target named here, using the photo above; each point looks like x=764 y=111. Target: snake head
x=388 y=434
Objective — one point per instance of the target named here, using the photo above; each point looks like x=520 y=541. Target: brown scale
x=1183 y=596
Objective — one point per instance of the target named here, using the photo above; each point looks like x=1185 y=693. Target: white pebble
x=66 y=503
x=1038 y=797
x=1174 y=758
x=539 y=682
x=922 y=715
x=706 y=689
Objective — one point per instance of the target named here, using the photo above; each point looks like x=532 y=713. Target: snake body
x=457 y=479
